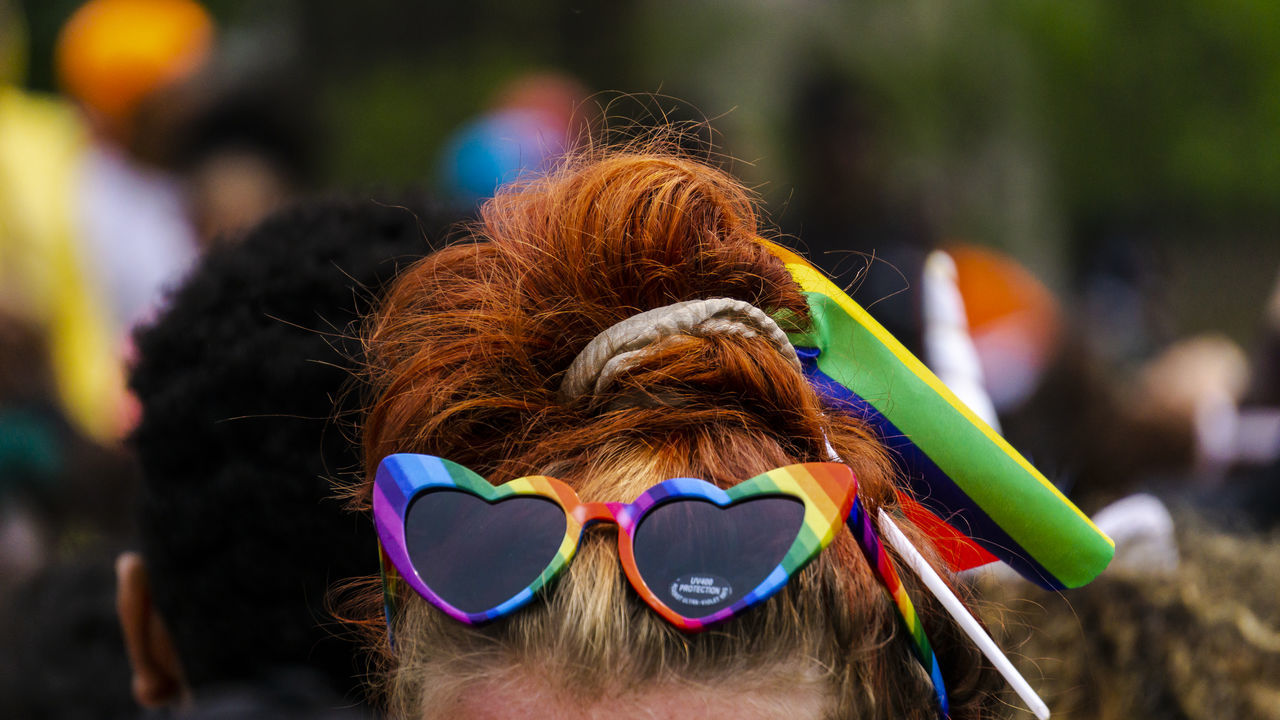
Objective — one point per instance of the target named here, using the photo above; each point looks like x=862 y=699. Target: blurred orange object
x=113 y=53
x=1014 y=319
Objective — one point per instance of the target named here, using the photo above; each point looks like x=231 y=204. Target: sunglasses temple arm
x=864 y=531
x=891 y=532
x=387 y=572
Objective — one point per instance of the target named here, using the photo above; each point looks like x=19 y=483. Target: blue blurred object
x=497 y=148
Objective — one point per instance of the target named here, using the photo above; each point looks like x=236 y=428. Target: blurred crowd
x=180 y=293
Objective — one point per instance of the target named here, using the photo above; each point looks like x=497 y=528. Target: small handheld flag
x=966 y=486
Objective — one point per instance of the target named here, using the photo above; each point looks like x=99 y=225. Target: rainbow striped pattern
x=965 y=485
x=827 y=491
x=403 y=476
x=865 y=533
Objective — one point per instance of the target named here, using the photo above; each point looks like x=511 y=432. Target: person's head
x=245 y=138
x=250 y=144
x=240 y=539
x=467 y=356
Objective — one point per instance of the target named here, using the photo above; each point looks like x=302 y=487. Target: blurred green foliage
x=1116 y=106
x=1038 y=126
x=1169 y=104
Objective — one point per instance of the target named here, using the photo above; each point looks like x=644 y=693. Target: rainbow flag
x=965 y=485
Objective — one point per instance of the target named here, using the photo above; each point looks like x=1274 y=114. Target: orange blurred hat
x=112 y=53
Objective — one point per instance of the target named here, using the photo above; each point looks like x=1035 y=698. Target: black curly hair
x=240 y=442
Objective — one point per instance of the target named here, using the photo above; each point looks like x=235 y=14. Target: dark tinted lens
x=699 y=558
x=476 y=554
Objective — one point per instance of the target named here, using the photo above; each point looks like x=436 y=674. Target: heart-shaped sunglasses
x=695 y=553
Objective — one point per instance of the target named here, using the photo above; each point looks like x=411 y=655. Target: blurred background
x=1062 y=133
x=1103 y=173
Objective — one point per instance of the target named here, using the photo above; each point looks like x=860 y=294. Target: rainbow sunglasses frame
x=828 y=490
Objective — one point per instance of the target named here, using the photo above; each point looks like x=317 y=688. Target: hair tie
x=625 y=342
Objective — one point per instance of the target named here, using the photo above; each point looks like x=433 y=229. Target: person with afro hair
x=241 y=536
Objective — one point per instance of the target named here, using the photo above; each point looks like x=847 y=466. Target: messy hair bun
x=472 y=344
x=467 y=356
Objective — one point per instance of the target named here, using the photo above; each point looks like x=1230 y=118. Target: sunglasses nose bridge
x=588 y=513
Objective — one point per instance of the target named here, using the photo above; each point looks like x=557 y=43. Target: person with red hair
x=605 y=328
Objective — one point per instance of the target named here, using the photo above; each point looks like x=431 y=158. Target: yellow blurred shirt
x=42 y=142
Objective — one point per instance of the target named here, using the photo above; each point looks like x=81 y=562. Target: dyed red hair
x=466 y=357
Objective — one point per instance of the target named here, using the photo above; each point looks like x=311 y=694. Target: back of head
x=238 y=442
x=467 y=356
